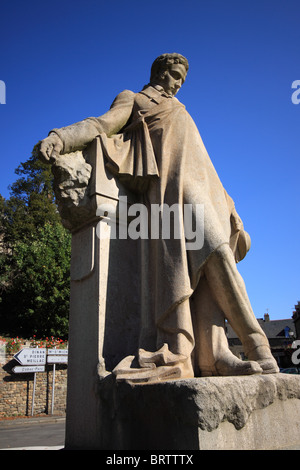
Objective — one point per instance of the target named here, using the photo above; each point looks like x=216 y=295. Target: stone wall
x=16 y=390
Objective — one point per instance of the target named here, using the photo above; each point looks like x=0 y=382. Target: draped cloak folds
x=157 y=151
x=161 y=154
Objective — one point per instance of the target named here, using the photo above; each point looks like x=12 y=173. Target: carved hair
x=163 y=62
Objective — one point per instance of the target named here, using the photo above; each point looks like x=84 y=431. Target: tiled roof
x=272 y=328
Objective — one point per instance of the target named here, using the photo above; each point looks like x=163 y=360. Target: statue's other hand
x=50 y=148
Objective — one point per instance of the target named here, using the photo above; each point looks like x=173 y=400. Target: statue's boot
x=156 y=366
x=212 y=356
x=170 y=357
x=229 y=293
x=262 y=355
x=231 y=366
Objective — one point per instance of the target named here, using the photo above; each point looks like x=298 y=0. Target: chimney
x=266 y=317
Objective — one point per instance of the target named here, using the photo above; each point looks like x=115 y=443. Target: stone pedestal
x=259 y=412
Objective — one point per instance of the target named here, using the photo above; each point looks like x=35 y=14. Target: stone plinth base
x=222 y=413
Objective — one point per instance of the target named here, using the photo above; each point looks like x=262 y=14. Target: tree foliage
x=34 y=257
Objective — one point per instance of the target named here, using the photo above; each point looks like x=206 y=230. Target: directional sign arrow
x=31 y=356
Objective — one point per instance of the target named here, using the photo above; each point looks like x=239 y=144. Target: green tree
x=34 y=257
x=31 y=202
x=37 y=300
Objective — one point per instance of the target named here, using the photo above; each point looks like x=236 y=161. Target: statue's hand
x=50 y=148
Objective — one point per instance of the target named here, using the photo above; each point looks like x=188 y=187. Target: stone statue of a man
x=152 y=145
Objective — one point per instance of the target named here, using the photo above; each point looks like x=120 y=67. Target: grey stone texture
x=209 y=413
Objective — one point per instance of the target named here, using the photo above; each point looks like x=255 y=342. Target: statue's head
x=169 y=71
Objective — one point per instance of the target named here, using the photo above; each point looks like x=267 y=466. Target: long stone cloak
x=151 y=142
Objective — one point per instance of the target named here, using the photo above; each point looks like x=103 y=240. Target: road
x=32 y=433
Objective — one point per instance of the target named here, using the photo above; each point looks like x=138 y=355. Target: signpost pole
x=33 y=393
x=53 y=387
x=56 y=356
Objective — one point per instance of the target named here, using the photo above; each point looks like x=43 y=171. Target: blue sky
x=63 y=61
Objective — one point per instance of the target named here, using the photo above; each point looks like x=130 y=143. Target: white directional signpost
x=32 y=360
x=56 y=356
x=31 y=356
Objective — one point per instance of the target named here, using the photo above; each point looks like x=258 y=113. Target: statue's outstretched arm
x=79 y=135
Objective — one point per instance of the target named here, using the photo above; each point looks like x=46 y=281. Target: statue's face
x=173 y=79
